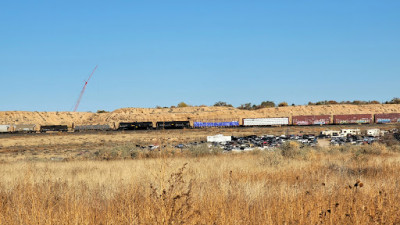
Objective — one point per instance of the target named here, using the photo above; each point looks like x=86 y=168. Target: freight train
x=305 y=120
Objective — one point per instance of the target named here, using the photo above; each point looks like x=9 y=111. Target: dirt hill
x=187 y=113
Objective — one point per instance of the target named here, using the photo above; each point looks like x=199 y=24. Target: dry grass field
x=291 y=185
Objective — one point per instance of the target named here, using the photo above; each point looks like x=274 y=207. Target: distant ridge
x=185 y=113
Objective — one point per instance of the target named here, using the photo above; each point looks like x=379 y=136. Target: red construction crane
x=83 y=90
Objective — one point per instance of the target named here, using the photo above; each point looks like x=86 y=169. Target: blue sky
x=153 y=53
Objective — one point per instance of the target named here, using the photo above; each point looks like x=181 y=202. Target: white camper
x=345 y=132
x=331 y=133
x=375 y=132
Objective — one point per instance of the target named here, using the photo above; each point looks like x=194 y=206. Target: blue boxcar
x=216 y=124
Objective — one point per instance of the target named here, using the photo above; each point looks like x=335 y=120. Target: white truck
x=219 y=138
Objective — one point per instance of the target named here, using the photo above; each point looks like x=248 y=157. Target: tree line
x=272 y=104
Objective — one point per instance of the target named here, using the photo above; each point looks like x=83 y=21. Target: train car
x=387 y=118
x=55 y=128
x=215 y=124
x=5 y=129
x=266 y=121
x=136 y=126
x=311 y=120
x=173 y=125
x=25 y=128
x=353 y=119
x=82 y=128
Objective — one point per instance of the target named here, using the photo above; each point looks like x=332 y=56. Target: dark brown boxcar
x=311 y=120
x=387 y=118
x=352 y=119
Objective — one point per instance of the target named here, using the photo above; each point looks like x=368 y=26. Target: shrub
x=295 y=150
x=373 y=149
x=290 y=149
x=390 y=140
x=220 y=103
x=283 y=104
x=127 y=152
x=267 y=104
x=246 y=106
x=203 y=150
x=182 y=104
x=357 y=102
x=271 y=158
x=332 y=102
x=394 y=101
x=119 y=152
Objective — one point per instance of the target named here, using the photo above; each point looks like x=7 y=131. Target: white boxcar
x=266 y=121
x=5 y=128
x=219 y=138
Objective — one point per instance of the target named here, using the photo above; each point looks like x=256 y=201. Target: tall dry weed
x=256 y=188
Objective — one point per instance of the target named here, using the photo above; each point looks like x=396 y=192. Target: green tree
x=283 y=104
x=220 y=103
x=332 y=102
x=246 y=106
x=394 y=101
x=182 y=104
x=267 y=104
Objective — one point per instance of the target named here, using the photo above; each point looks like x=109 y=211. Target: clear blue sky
x=162 y=52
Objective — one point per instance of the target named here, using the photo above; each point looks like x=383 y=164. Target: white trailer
x=266 y=122
x=219 y=138
x=5 y=128
x=374 y=132
x=331 y=133
x=345 y=132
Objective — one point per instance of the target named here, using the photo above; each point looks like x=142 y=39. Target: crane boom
x=83 y=90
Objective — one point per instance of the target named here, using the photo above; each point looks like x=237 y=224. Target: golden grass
x=330 y=186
